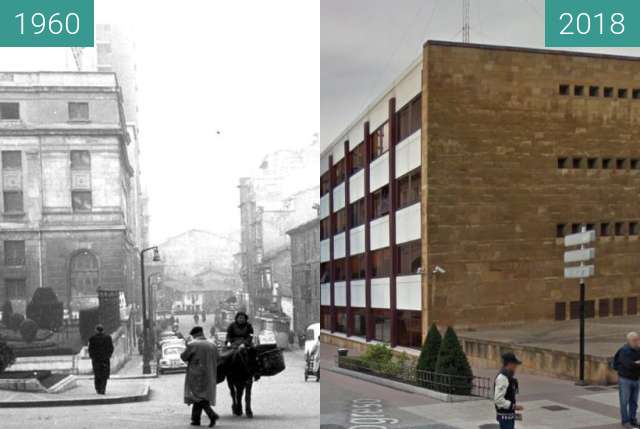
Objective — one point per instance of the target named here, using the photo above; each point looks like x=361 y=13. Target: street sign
x=581 y=255
x=579 y=272
x=579 y=238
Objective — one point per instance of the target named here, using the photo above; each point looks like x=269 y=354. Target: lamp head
x=156 y=255
x=438 y=270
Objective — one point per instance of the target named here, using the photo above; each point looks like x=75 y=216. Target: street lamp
x=146 y=356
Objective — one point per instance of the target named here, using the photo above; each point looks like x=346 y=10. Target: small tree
x=45 y=309
x=15 y=320
x=28 y=330
x=7 y=358
x=452 y=361
x=429 y=356
x=7 y=311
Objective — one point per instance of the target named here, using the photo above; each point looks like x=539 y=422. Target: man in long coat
x=100 y=351
x=200 y=381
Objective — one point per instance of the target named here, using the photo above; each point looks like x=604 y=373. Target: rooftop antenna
x=466 y=8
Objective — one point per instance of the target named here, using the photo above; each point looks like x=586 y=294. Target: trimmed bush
x=430 y=350
x=15 y=321
x=7 y=357
x=45 y=309
x=28 y=330
x=87 y=321
x=453 y=361
x=7 y=311
x=379 y=354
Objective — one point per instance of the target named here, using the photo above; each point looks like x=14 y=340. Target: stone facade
x=510 y=163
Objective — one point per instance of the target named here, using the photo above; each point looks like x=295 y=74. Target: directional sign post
x=581 y=271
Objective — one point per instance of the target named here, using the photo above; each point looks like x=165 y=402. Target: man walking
x=100 y=351
x=201 y=378
x=627 y=363
x=506 y=389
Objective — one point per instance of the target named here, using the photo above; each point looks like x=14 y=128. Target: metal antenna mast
x=466 y=8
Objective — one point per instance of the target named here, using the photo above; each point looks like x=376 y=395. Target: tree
x=7 y=358
x=15 y=320
x=453 y=367
x=28 y=330
x=45 y=309
x=429 y=357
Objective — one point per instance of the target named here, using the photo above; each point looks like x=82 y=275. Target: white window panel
x=380 y=293
x=379 y=114
x=338 y=197
x=409 y=86
x=324 y=250
x=409 y=293
x=408 y=154
x=325 y=294
x=356 y=245
x=340 y=294
x=358 y=298
x=356 y=186
x=408 y=224
x=380 y=233
x=324 y=164
x=379 y=174
x=338 y=246
x=324 y=206
x=338 y=152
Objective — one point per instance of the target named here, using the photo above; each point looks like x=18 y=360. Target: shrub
x=45 y=309
x=87 y=321
x=378 y=354
x=428 y=356
x=15 y=321
x=7 y=311
x=28 y=330
x=453 y=361
x=7 y=357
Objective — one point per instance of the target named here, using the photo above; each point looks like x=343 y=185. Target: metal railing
x=451 y=384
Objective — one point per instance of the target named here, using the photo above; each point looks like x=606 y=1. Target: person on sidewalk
x=100 y=351
x=627 y=363
x=506 y=389
x=201 y=378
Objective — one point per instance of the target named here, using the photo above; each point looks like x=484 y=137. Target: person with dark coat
x=100 y=351
x=201 y=379
x=627 y=364
x=240 y=332
x=506 y=389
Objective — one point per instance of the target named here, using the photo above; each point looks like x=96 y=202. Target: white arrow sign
x=579 y=238
x=581 y=255
x=579 y=272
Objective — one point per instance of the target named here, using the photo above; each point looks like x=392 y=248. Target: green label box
x=592 y=23
x=44 y=23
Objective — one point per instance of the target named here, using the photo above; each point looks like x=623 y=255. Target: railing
x=451 y=384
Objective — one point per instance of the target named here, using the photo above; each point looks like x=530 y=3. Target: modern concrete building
x=448 y=198
x=66 y=200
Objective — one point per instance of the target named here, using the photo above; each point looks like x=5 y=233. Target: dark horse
x=239 y=367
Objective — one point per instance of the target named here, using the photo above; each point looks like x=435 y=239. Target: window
x=576 y=162
x=634 y=164
x=357 y=159
x=409 y=328
x=561 y=311
x=83 y=274
x=594 y=91
x=81 y=200
x=560 y=230
x=632 y=306
x=562 y=162
x=325 y=183
x=633 y=228
x=578 y=90
x=357 y=263
x=409 y=257
x=605 y=229
x=359 y=322
x=9 y=111
x=13 y=202
x=381 y=263
x=78 y=111
x=563 y=89
x=341 y=321
x=11 y=159
x=380 y=199
x=338 y=172
x=339 y=271
x=622 y=92
x=590 y=227
x=592 y=163
x=103 y=48
x=357 y=213
x=325 y=230
x=603 y=307
x=606 y=163
x=575 y=228
x=381 y=327
x=589 y=309
x=635 y=93
x=409 y=118
x=15 y=288
x=380 y=141
x=14 y=253
x=608 y=92
x=324 y=272
x=409 y=189
x=340 y=221
x=621 y=163
x=80 y=159
x=619 y=228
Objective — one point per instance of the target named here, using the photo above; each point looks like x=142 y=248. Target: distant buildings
x=204 y=291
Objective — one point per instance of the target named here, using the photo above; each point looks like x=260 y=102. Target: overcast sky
x=366 y=44
x=249 y=69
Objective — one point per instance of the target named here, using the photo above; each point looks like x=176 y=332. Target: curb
x=121 y=377
x=407 y=388
x=144 y=396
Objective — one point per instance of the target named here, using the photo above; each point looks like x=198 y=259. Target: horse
x=239 y=367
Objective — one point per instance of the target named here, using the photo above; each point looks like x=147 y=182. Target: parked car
x=170 y=356
x=266 y=337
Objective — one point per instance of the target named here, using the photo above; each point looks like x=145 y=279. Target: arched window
x=84 y=274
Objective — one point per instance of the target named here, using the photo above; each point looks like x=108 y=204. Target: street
x=549 y=404
x=282 y=401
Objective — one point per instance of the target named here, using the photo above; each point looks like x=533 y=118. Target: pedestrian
x=204 y=316
x=627 y=363
x=506 y=389
x=201 y=378
x=100 y=351
x=196 y=318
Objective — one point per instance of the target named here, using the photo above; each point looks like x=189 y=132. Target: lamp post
x=146 y=356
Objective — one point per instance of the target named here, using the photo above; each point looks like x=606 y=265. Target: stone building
x=67 y=215
x=305 y=274
x=447 y=200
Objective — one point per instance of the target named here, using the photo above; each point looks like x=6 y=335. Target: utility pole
x=466 y=13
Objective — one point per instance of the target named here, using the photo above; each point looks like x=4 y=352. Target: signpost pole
x=582 y=317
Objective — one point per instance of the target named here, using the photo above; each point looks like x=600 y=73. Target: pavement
x=549 y=404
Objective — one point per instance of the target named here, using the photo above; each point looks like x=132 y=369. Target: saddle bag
x=270 y=362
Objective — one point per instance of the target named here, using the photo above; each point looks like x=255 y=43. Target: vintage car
x=170 y=356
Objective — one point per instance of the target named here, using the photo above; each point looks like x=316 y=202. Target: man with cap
x=100 y=351
x=201 y=378
x=506 y=389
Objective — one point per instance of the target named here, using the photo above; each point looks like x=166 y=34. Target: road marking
x=369 y=414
